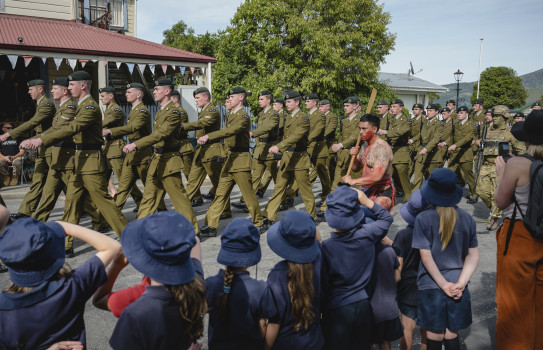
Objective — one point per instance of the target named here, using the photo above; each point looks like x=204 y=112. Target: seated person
x=10 y=155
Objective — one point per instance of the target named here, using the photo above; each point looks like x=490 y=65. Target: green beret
x=176 y=93
x=445 y=109
x=79 y=76
x=479 y=101
x=265 y=93
x=163 y=82
x=36 y=82
x=352 y=99
x=312 y=96
x=433 y=106
x=61 y=81
x=109 y=89
x=135 y=85
x=289 y=95
x=463 y=108
x=279 y=100
x=382 y=103
x=450 y=100
x=324 y=102
x=200 y=90
x=397 y=101
x=236 y=90
x=418 y=105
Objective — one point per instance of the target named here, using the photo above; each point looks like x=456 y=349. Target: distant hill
x=533 y=82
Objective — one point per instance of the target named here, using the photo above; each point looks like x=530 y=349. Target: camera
x=504 y=150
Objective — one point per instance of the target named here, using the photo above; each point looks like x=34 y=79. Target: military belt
x=115 y=138
x=266 y=139
x=69 y=145
x=132 y=140
x=214 y=141
x=239 y=149
x=491 y=144
x=398 y=144
x=331 y=136
x=161 y=150
x=297 y=149
x=318 y=138
x=88 y=146
x=423 y=144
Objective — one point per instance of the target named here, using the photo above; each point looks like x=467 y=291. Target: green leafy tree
x=501 y=86
x=183 y=37
x=330 y=47
x=432 y=96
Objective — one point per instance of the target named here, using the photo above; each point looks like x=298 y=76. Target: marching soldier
x=206 y=157
x=416 y=127
x=451 y=104
x=164 y=172
x=382 y=111
x=90 y=170
x=396 y=131
x=295 y=161
x=237 y=166
x=329 y=135
x=478 y=114
x=459 y=148
x=113 y=147
x=518 y=117
x=447 y=135
x=41 y=121
x=487 y=181
x=428 y=155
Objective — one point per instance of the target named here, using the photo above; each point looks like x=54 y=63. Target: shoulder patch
x=324 y=115
x=70 y=106
x=207 y=117
x=213 y=110
x=175 y=111
x=245 y=116
x=143 y=111
x=305 y=118
x=442 y=123
x=89 y=107
x=46 y=104
x=117 y=110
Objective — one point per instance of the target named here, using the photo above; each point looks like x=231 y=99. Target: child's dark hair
x=191 y=299
x=223 y=301
x=300 y=287
x=64 y=272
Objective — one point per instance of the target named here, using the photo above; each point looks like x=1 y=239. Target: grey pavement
x=99 y=324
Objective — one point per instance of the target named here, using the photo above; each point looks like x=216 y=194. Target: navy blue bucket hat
x=240 y=244
x=441 y=188
x=32 y=250
x=159 y=246
x=343 y=209
x=293 y=238
x=414 y=206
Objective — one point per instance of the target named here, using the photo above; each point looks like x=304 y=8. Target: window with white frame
x=110 y=14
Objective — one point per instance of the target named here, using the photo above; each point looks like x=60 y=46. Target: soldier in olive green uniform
x=164 y=171
x=451 y=104
x=429 y=156
x=416 y=127
x=90 y=169
x=295 y=161
x=382 y=111
x=478 y=114
x=459 y=149
x=329 y=135
x=237 y=167
x=206 y=156
x=447 y=134
x=396 y=132
x=135 y=164
x=41 y=121
x=113 y=147
x=487 y=180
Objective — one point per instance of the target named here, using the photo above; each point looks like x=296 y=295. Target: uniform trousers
x=466 y=172
x=265 y=180
x=318 y=167
x=259 y=169
x=197 y=175
x=116 y=165
x=188 y=159
x=422 y=171
x=486 y=187
x=32 y=197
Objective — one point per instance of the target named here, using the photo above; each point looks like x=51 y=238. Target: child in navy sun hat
x=346 y=311
x=240 y=305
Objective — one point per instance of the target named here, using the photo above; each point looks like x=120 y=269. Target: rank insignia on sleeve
x=117 y=110
x=89 y=107
x=175 y=111
x=143 y=111
x=70 y=106
x=46 y=104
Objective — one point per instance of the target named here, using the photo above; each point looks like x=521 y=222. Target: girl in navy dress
x=239 y=304
x=447 y=240
x=295 y=284
x=170 y=314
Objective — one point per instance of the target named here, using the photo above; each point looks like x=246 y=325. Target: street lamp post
x=458 y=76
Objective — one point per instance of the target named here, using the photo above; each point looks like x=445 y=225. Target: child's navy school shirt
x=153 y=322
x=450 y=261
x=407 y=287
x=52 y=312
x=288 y=338
x=249 y=301
x=383 y=301
x=348 y=260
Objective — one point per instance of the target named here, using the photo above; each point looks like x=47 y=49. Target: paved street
x=100 y=324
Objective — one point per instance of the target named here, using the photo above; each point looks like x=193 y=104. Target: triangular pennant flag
x=141 y=66
x=58 y=61
x=118 y=64
x=27 y=60
x=152 y=68
x=83 y=63
x=44 y=59
x=72 y=62
x=192 y=70
x=13 y=60
x=164 y=68
x=105 y=63
x=94 y=61
x=182 y=69
x=130 y=67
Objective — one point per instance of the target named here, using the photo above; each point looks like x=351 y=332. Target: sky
x=437 y=37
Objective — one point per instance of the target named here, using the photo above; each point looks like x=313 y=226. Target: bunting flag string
x=141 y=67
x=95 y=60
x=130 y=67
x=192 y=70
x=58 y=61
x=13 y=60
x=118 y=64
x=83 y=63
x=152 y=68
x=182 y=69
x=72 y=62
x=164 y=68
x=105 y=63
x=44 y=59
x=27 y=60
